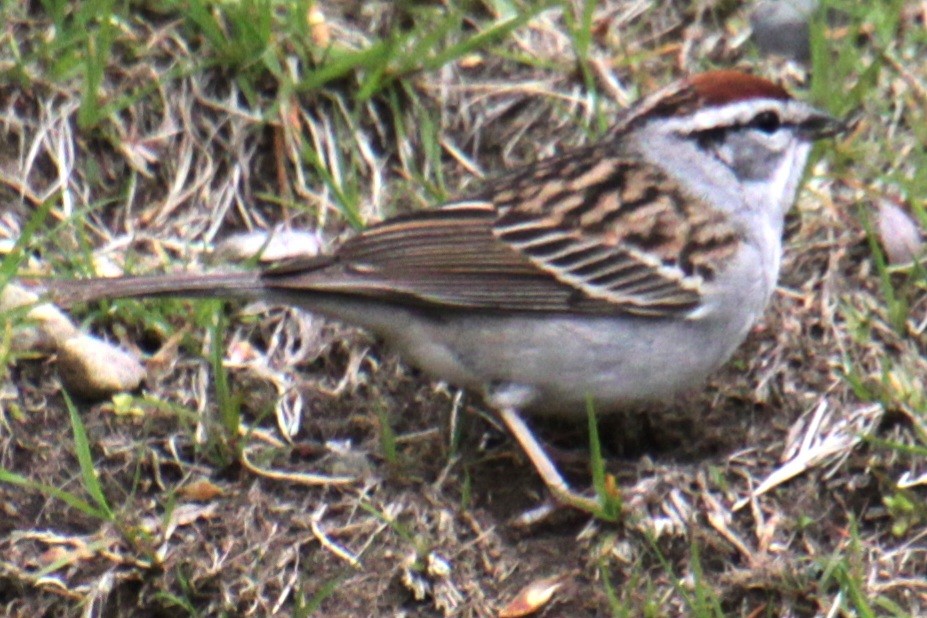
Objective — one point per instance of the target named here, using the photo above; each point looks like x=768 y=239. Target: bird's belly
x=550 y=364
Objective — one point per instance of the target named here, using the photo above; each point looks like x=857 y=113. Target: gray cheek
x=752 y=161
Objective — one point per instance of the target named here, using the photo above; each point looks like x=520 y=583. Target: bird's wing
x=617 y=230
x=585 y=234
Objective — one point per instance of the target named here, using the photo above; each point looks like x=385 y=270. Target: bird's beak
x=820 y=125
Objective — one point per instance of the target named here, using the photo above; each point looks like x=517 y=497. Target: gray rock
x=781 y=27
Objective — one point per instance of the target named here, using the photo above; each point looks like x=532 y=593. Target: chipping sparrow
x=623 y=271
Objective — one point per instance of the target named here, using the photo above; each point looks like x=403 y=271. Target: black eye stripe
x=708 y=137
x=767 y=122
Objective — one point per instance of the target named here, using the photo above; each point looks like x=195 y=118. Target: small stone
x=44 y=326
x=270 y=246
x=899 y=234
x=781 y=27
x=94 y=369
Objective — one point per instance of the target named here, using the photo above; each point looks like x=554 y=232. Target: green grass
x=89 y=475
x=226 y=446
x=879 y=160
x=98 y=506
x=608 y=498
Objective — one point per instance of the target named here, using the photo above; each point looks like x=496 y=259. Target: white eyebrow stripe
x=739 y=113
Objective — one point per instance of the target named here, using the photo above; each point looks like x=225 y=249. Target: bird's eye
x=767 y=122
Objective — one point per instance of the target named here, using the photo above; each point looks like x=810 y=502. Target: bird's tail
x=69 y=292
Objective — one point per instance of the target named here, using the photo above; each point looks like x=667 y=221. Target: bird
x=614 y=274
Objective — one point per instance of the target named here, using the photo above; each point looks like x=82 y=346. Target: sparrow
x=617 y=273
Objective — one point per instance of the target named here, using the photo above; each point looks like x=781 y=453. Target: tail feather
x=68 y=292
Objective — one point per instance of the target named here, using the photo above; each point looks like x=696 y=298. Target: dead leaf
x=532 y=597
x=201 y=491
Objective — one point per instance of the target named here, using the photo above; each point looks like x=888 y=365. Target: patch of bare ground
x=792 y=485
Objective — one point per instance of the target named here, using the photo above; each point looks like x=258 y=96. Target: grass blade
x=85 y=459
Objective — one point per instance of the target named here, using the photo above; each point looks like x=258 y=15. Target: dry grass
x=141 y=137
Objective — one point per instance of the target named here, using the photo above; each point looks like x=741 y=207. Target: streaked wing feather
x=587 y=232
x=443 y=257
x=625 y=241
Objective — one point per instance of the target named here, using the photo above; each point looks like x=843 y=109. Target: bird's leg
x=555 y=483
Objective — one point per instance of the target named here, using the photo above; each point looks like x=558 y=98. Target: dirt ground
x=194 y=142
